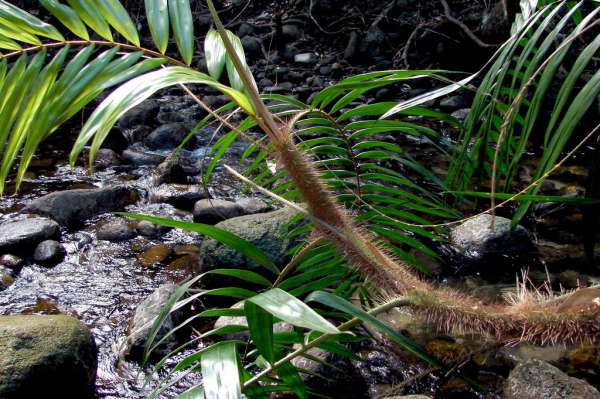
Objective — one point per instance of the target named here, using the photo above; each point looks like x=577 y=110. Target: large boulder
x=268 y=231
x=536 y=379
x=46 y=357
x=24 y=235
x=73 y=207
x=140 y=325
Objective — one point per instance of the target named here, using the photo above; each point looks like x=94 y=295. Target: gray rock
x=251 y=206
x=265 y=230
x=24 y=235
x=138 y=158
x=223 y=321
x=454 y=102
x=142 y=321
x=536 y=379
x=180 y=195
x=73 y=207
x=475 y=239
x=211 y=211
x=461 y=114
x=46 y=356
x=408 y=397
x=292 y=31
x=49 y=253
x=306 y=58
x=105 y=158
x=11 y=261
x=115 y=230
x=166 y=137
x=149 y=229
x=143 y=114
x=245 y=29
x=252 y=45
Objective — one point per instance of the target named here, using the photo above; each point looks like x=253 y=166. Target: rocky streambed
x=65 y=257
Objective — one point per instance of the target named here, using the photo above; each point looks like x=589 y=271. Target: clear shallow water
x=100 y=282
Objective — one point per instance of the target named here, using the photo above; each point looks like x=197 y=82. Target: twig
x=465 y=28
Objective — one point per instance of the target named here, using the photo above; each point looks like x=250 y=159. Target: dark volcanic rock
x=105 y=158
x=46 y=357
x=73 y=207
x=24 y=235
x=179 y=195
x=138 y=158
x=143 y=114
x=49 y=253
x=166 y=137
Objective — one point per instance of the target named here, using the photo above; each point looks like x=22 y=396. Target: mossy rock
x=46 y=356
x=268 y=231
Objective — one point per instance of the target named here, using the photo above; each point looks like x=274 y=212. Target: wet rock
x=24 y=235
x=155 y=255
x=179 y=195
x=12 y=262
x=7 y=277
x=251 y=206
x=408 y=397
x=46 y=356
x=142 y=321
x=105 y=158
x=537 y=379
x=265 y=230
x=73 y=207
x=185 y=263
x=481 y=244
x=115 y=140
x=306 y=58
x=211 y=211
x=138 y=158
x=166 y=137
x=149 y=229
x=115 y=230
x=171 y=170
x=49 y=253
x=143 y=114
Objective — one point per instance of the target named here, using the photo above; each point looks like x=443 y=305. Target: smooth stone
x=461 y=115
x=179 y=195
x=11 y=261
x=268 y=231
x=49 y=253
x=24 y=235
x=46 y=357
x=115 y=230
x=149 y=229
x=188 y=263
x=251 y=206
x=211 y=211
x=536 y=379
x=145 y=314
x=141 y=158
x=252 y=45
x=155 y=255
x=306 y=58
x=105 y=158
x=166 y=137
x=73 y=207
